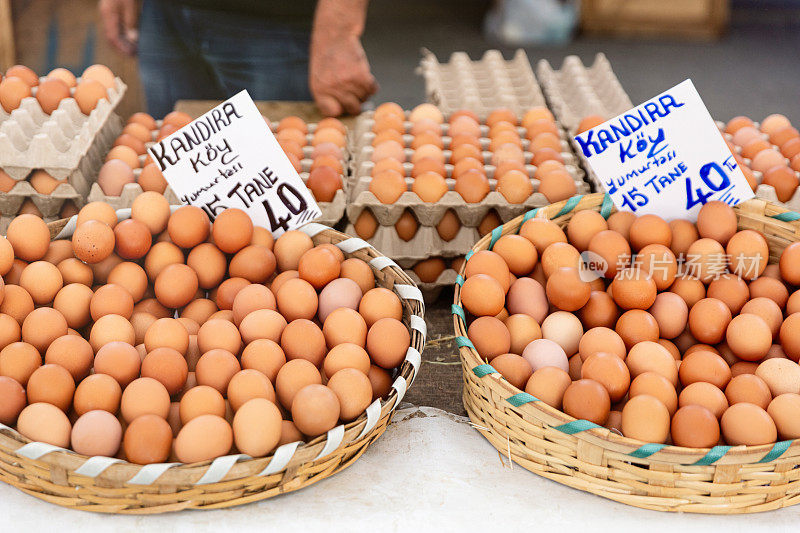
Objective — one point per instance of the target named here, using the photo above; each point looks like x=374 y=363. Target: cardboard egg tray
x=576 y=91
x=420 y=246
x=30 y=139
x=763 y=191
x=480 y=85
x=79 y=178
x=432 y=290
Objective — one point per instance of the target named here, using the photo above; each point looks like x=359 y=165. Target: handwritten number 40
x=698 y=195
x=291 y=199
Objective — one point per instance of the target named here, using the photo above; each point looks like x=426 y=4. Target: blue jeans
x=190 y=53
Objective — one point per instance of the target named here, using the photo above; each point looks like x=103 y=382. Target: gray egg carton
x=29 y=138
x=425 y=243
x=480 y=85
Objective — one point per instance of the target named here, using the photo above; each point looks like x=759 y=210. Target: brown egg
x=262 y=324
x=51 y=384
x=14 y=400
x=429 y=270
x=748 y=424
x=176 y=285
x=188 y=226
x=601 y=340
x=133 y=239
x=583 y=226
x=116 y=172
x=353 y=390
x=227 y=291
x=43 y=422
x=303 y=339
x=518 y=253
x=232 y=230
x=633 y=289
x=98 y=391
x=704 y=366
x=111 y=328
x=216 y=368
x=318 y=267
x=645 y=418
x=483 y=295
x=144 y=396
x=147 y=439
x=610 y=371
x=731 y=290
x=690 y=289
x=73 y=353
x=694 y=426
x=650 y=229
x=248 y=384
x=491 y=337
x=29 y=237
x=257 y=427
x=748 y=388
x=783 y=179
x=522 y=329
x=566 y=290
x=10 y=330
x=783 y=410
x=656 y=385
x=781 y=375
x=771 y=288
x=42 y=326
x=748 y=253
x=42 y=280
x=388 y=340
x=119 y=360
x=297 y=298
x=716 y=220
x=167 y=366
x=708 y=320
x=290 y=247
x=161 y=255
x=788 y=262
x=380 y=303
x=559 y=255
x=706 y=395
x=93 y=241
x=749 y=337
x=152 y=180
x=491 y=264
x=588 y=400
x=548 y=384
x=201 y=400
x=12 y=91
x=613 y=248
x=600 y=310
x=111 y=300
x=264 y=355
x=315 y=409
x=649 y=356
x=684 y=233
x=96 y=433
x=219 y=334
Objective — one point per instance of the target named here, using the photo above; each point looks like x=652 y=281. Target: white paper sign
x=665 y=157
x=230 y=158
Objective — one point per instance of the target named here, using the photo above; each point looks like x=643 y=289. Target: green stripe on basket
x=521 y=398
x=606 y=206
x=484 y=370
x=789 y=216
x=569 y=206
x=469 y=254
x=576 y=426
x=459 y=312
x=714 y=454
x=647 y=450
x=776 y=451
x=496 y=233
x=529 y=215
x=459 y=280
x=464 y=342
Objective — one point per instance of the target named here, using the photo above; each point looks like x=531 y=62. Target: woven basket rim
x=191 y=474
x=638 y=450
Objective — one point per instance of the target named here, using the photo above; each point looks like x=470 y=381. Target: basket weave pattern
x=583 y=455
x=108 y=485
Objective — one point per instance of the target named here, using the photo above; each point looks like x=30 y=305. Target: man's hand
x=120 y=20
x=339 y=75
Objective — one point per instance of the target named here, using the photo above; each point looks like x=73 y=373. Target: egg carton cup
x=576 y=91
x=432 y=290
x=29 y=138
x=48 y=204
x=480 y=85
x=431 y=213
x=425 y=243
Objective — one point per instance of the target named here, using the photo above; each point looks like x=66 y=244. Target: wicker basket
x=108 y=485
x=578 y=453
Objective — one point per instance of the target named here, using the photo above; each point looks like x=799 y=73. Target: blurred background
x=741 y=54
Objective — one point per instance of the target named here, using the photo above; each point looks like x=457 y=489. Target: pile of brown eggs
x=773 y=149
x=463 y=144
x=682 y=333
x=166 y=337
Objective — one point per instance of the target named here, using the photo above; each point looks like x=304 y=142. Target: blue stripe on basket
x=469 y=254
x=606 y=206
x=714 y=454
x=529 y=215
x=776 y=451
x=569 y=206
x=521 y=398
x=496 y=233
x=484 y=370
x=646 y=450
x=464 y=342
x=789 y=216
x=459 y=280
x=576 y=426
x=459 y=312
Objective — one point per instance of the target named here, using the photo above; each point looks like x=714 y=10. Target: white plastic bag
x=531 y=22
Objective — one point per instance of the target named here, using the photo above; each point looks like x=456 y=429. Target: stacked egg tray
x=764 y=191
x=576 y=91
x=482 y=85
x=332 y=212
x=66 y=144
x=426 y=242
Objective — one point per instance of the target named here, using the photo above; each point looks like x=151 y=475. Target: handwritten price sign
x=665 y=157
x=229 y=158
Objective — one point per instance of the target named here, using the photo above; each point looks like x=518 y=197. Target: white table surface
x=430 y=471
